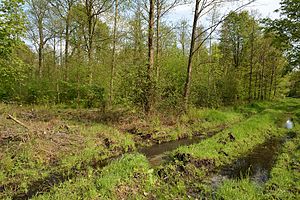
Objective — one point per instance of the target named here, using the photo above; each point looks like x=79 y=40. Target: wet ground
x=156 y=154
x=256 y=165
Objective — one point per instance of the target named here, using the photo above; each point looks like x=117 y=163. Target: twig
x=17 y=121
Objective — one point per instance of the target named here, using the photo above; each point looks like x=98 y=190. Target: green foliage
x=83 y=94
x=170 y=85
x=295 y=85
x=42 y=91
x=252 y=61
x=287 y=30
x=133 y=78
x=12 y=70
x=13 y=78
x=11 y=25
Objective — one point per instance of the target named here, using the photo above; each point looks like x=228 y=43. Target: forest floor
x=60 y=153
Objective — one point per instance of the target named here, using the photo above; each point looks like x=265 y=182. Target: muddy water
x=257 y=164
x=156 y=154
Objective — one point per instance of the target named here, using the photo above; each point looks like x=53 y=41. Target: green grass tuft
x=243 y=189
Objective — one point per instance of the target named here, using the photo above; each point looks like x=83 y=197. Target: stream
x=256 y=165
x=157 y=154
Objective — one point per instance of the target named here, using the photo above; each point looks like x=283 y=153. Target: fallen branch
x=17 y=121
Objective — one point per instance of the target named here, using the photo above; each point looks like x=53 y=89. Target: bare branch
x=18 y=122
x=215 y=26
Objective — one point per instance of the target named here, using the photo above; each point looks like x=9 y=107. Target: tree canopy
x=11 y=25
x=287 y=27
x=126 y=54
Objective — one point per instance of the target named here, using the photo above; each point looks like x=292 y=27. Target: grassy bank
x=51 y=149
x=284 y=178
x=283 y=183
x=233 y=142
x=188 y=176
x=285 y=175
x=109 y=183
x=58 y=144
x=159 y=128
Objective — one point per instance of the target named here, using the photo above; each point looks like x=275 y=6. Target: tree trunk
x=158 y=11
x=189 y=67
x=41 y=47
x=54 y=52
x=67 y=44
x=149 y=100
x=272 y=77
x=183 y=28
x=90 y=49
x=89 y=41
x=40 y=52
x=262 y=79
x=275 y=83
x=251 y=64
x=255 y=87
x=137 y=29
x=113 y=65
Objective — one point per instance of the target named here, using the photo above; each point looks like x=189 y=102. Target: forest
x=122 y=99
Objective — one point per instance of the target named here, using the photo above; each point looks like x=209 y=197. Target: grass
x=284 y=182
x=194 y=122
x=188 y=176
x=243 y=189
x=60 y=143
x=194 y=164
x=285 y=175
x=221 y=149
x=109 y=183
x=206 y=119
x=52 y=147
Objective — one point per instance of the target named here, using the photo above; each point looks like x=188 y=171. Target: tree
x=11 y=25
x=113 y=64
x=201 y=8
x=63 y=8
x=92 y=10
x=12 y=69
x=183 y=36
x=150 y=81
x=39 y=32
x=287 y=28
x=163 y=7
x=237 y=38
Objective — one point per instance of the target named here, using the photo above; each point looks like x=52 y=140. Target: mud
x=257 y=164
x=156 y=154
